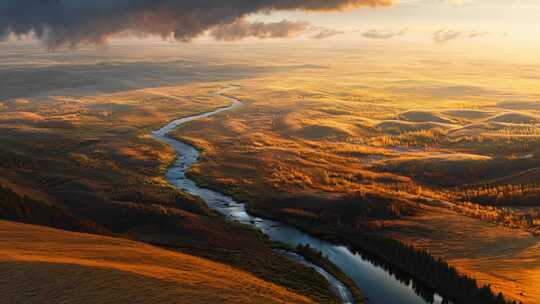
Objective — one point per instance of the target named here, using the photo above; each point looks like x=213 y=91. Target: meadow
x=438 y=154
x=65 y=267
x=86 y=162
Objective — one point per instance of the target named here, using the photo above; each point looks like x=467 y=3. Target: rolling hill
x=46 y=265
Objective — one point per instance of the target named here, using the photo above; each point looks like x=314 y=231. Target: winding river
x=378 y=283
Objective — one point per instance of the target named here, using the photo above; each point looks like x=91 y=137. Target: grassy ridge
x=59 y=266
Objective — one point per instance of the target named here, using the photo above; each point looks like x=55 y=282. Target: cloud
x=74 y=22
x=242 y=28
x=378 y=34
x=325 y=32
x=442 y=36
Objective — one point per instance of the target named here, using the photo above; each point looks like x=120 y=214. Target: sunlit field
x=270 y=151
x=446 y=161
x=439 y=154
x=96 y=269
x=86 y=162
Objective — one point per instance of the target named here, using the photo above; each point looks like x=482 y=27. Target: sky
x=504 y=21
x=71 y=23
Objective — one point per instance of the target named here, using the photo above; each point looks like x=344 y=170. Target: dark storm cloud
x=72 y=22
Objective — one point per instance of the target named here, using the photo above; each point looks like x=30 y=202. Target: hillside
x=55 y=266
x=100 y=171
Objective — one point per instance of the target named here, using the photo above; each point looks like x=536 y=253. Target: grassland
x=86 y=162
x=44 y=265
x=439 y=154
x=317 y=149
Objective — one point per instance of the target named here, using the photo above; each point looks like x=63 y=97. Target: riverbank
x=188 y=155
x=428 y=276
x=381 y=249
x=319 y=259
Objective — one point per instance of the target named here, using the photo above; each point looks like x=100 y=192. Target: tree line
x=431 y=275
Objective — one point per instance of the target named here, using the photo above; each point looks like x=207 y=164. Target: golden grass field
x=44 y=265
x=87 y=163
x=422 y=149
x=506 y=258
x=307 y=140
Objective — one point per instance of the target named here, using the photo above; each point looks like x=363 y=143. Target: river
x=379 y=284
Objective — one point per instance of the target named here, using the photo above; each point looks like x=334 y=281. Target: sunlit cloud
x=442 y=36
x=242 y=28
x=383 y=34
x=325 y=32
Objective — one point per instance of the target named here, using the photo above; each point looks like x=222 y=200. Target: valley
x=406 y=180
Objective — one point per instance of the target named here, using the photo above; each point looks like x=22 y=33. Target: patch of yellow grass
x=42 y=265
x=507 y=259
